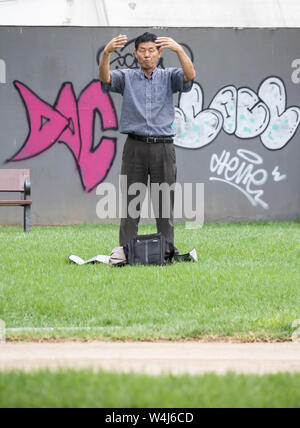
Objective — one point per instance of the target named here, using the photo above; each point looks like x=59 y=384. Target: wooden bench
x=17 y=180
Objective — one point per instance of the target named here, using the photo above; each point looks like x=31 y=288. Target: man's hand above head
x=168 y=43
x=116 y=43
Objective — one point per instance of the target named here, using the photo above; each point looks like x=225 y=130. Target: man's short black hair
x=144 y=38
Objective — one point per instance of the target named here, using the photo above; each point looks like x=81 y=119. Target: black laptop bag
x=149 y=250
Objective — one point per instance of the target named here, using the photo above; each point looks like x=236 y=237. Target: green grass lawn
x=246 y=283
x=69 y=389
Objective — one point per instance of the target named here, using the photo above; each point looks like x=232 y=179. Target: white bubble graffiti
x=240 y=112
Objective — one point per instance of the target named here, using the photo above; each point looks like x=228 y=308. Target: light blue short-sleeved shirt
x=148 y=105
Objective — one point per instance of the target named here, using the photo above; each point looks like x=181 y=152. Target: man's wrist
x=179 y=50
x=106 y=52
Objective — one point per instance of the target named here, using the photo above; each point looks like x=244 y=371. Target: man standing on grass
x=147 y=116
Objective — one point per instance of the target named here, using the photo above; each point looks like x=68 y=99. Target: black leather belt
x=151 y=140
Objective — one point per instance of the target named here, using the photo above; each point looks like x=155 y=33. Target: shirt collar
x=142 y=74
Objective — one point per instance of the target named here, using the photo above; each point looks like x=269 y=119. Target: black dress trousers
x=141 y=160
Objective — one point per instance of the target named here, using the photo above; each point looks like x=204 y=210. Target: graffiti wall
x=237 y=131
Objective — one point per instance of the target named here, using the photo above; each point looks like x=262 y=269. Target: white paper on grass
x=193 y=254
x=97 y=259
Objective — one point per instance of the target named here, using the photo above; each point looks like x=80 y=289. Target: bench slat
x=12 y=180
x=17 y=203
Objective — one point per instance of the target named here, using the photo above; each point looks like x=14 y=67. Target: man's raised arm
x=104 y=66
x=186 y=63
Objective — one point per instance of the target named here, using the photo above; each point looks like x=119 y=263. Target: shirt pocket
x=160 y=93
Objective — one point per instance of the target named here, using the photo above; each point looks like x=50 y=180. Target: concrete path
x=154 y=358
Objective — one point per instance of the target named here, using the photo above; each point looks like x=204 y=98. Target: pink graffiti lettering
x=45 y=124
x=66 y=104
x=95 y=164
x=71 y=122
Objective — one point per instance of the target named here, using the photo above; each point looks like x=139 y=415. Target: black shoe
x=190 y=257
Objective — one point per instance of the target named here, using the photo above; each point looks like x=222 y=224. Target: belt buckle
x=149 y=140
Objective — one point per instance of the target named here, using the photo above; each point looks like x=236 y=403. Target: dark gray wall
x=237 y=131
